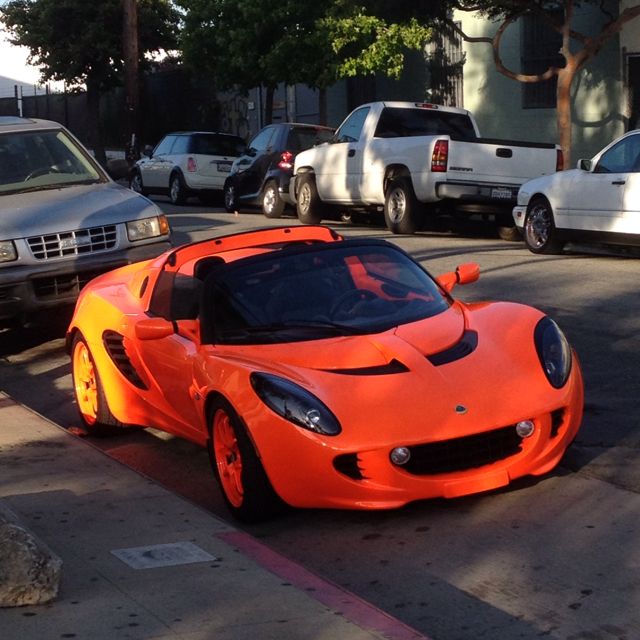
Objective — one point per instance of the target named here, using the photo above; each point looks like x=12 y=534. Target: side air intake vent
x=458 y=351
x=114 y=344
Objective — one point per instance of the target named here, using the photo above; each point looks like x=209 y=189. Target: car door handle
x=618 y=182
x=352 y=152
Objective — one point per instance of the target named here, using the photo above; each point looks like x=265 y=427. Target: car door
x=170 y=362
x=251 y=167
x=154 y=169
x=598 y=195
x=338 y=173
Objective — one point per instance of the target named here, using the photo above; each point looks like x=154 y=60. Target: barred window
x=540 y=49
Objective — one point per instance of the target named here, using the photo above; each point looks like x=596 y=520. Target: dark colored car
x=260 y=177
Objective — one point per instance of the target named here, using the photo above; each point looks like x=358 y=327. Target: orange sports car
x=325 y=372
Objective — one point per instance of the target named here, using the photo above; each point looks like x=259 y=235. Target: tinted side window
x=165 y=146
x=399 y=123
x=351 y=128
x=262 y=139
x=181 y=145
x=623 y=157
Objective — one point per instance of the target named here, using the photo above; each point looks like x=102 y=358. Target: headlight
x=554 y=352
x=147 y=228
x=295 y=404
x=8 y=251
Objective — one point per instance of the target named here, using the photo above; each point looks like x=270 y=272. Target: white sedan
x=599 y=201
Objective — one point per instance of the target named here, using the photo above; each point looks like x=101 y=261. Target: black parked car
x=261 y=175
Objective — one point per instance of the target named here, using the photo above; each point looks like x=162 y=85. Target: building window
x=445 y=59
x=540 y=49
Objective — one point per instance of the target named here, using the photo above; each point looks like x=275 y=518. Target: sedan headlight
x=8 y=251
x=147 y=228
x=554 y=352
x=295 y=404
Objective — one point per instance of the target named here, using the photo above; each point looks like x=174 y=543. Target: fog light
x=525 y=428
x=400 y=455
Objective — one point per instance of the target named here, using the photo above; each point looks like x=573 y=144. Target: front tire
x=539 y=232
x=237 y=467
x=272 y=203
x=309 y=206
x=401 y=208
x=136 y=184
x=177 y=189
x=89 y=393
x=230 y=197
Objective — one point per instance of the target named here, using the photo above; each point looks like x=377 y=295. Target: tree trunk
x=322 y=106
x=563 y=111
x=268 y=105
x=93 y=111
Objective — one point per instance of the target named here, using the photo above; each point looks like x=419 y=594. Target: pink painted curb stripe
x=353 y=608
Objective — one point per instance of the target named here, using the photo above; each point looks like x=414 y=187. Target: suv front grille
x=73 y=243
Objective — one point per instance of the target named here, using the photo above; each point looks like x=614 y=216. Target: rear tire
x=237 y=467
x=539 y=231
x=89 y=393
x=309 y=206
x=272 y=203
x=401 y=208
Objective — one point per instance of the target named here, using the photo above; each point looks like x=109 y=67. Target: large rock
x=29 y=570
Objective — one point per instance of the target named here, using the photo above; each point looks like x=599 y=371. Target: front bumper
x=32 y=288
x=519 y=213
x=307 y=475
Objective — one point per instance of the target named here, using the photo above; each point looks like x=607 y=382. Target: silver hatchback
x=63 y=220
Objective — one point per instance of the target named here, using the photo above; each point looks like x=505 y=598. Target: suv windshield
x=317 y=292
x=35 y=160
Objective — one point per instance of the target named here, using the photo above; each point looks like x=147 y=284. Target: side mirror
x=154 y=328
x=148 y=150
x=464 y=274
x=584 y=164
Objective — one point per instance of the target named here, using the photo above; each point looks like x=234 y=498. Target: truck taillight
x=286 y=160
x=559 y=160
x=440 y=155
x=191 y=164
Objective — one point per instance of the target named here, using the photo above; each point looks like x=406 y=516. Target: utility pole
x=131 y=78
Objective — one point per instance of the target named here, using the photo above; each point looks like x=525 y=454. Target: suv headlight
x=147 y=228
x=554 y=352
x=8 y=251
x=295 y=404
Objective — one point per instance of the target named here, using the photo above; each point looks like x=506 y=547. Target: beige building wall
x=599 y=99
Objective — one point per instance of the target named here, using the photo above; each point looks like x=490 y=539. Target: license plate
x=224 y=166
x=502 y=193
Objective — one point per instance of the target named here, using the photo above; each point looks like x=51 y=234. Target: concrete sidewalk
x=141 y=562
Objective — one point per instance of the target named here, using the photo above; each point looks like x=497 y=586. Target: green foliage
x=75 y=40
x=368 y=44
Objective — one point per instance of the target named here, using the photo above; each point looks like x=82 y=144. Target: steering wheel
x=42 y=171
x=347 y=301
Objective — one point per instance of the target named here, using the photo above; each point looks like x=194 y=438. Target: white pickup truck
x=410 y=159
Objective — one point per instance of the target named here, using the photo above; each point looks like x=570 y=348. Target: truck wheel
x=401 y=208
x=507 y=229
x=540 y=233
x=272 y=203
x=309 y=206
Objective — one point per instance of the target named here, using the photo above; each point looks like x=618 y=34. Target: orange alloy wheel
x=228 y=458
x=85 y=383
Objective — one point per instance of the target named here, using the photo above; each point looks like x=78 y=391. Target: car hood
x=69 y=208
x=544 y=182
x=474 y=388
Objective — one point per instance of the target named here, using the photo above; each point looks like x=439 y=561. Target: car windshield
x=36 y=160
x=316 y=292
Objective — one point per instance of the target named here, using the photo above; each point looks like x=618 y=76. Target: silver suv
x=62 y=219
